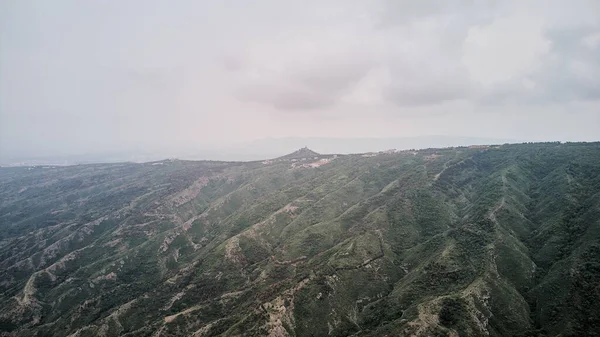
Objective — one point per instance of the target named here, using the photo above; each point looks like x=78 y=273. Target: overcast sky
x=80 y=76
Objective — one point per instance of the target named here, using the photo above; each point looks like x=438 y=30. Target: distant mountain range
x=254 y=150
x=276 y=146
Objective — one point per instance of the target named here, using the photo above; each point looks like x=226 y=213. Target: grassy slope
x=498 y=241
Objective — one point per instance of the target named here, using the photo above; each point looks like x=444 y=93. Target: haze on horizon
x=90 y=76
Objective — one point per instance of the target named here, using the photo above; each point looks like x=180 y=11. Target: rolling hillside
x=471 y=241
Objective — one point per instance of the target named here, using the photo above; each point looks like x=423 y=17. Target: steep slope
x=493 y=241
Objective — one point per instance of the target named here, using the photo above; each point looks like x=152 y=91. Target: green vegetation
x=495 y=241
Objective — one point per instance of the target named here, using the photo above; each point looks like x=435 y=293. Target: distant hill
x=272 y=146
x=304 y=152
x=258 y=149
x=472 y=241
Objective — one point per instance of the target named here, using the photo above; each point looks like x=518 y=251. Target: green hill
x=480 y=241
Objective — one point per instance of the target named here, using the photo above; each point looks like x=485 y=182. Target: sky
x=91 y=76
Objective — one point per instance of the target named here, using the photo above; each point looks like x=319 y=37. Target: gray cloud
x=572 y=72
x=303 y=88
x=300 y=72
x=425 y=83
x=435 y=53
x=568 y=72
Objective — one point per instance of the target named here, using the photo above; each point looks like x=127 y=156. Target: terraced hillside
x=483 y=241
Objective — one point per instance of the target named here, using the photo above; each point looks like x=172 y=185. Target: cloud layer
x=155 y=74
x=432 y=54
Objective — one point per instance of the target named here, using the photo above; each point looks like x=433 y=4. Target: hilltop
x=304 y=152
x=472 y=241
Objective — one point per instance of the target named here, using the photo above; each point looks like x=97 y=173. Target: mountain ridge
x=260 y=149
x=496 y=240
